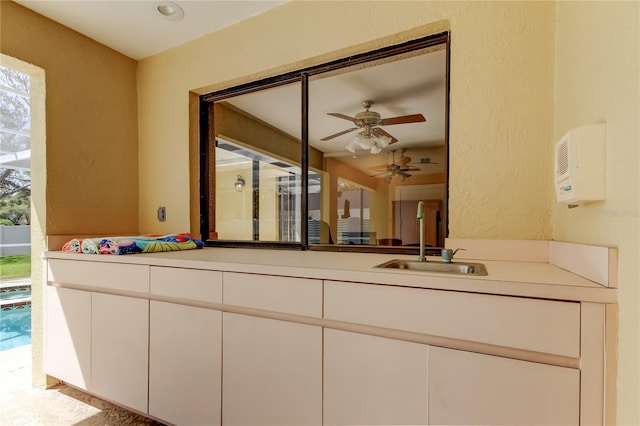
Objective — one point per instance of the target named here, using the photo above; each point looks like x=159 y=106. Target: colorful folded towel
x=131 y=245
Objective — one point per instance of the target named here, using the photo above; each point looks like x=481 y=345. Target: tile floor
x=23 y=405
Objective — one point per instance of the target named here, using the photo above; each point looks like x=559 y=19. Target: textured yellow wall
x=596 y=79
x=92 y=156
x=501 y=99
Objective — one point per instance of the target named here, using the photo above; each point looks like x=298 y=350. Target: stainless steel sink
x=463 y=268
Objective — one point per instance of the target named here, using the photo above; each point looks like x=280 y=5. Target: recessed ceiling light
x=169 y=10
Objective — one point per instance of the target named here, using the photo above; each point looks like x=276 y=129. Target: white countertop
x=513 y=278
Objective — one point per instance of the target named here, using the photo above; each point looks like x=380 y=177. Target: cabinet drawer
x=531 y=324
x=194 y=284
x=300 y=296
x=115 y=276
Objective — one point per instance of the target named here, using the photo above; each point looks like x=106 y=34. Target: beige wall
x=234 y=218
x=596 y=79
x=92 y=166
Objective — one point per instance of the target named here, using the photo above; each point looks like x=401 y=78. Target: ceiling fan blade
x=346 y=117
x=380 y=132
x=413 y=118
x=409 y=169
x=378 y=174
x=335 y=135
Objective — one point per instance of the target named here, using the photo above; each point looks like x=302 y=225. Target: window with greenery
x=15 y=147
x=332 y=157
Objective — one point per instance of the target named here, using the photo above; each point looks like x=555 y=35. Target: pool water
x=15 y=318
x=21 y=293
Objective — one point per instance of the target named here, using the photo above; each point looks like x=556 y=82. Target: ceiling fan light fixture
x=366 y=143
x=369 y=141
x=384 y=141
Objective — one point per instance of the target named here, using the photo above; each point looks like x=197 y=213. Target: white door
x=371 y=380
x=120 y=349
x=475 y=389
x=272 y=372
x=185 y=361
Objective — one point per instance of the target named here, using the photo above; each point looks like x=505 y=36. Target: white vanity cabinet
x=371 y=380
x=272 y=369
x=185 y=347
x=196 y=345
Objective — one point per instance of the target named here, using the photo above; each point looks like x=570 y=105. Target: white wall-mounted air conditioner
x=580 y=165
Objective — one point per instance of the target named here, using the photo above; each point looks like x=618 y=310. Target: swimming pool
x=15 y=317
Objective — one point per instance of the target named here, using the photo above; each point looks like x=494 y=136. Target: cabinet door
x=67 y=354
x=185 y=364
x=474 y=389
x=272 y=372
x=120 y=349
x=185 y=347
x=371 y=380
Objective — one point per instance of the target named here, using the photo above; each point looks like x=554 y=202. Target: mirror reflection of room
x=377 y=134
x=257 y=196
x=381 y=128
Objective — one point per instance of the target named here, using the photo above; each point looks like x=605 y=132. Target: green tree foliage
x=16 y=209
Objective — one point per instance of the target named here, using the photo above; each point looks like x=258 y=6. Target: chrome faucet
x=420 y=216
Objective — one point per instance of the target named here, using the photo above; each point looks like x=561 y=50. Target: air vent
x=562 y=165
x=425 y=160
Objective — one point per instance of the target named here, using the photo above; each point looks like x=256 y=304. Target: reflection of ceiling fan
x=394 y=169
x=372 y=136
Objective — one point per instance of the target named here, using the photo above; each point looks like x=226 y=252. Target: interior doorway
x=15 y=209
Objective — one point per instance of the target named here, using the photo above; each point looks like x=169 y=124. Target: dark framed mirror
x=331 y=157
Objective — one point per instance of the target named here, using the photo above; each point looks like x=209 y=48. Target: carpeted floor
x=23 y=405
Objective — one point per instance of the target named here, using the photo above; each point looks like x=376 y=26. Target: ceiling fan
x=394 y=169
x=372 y=136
